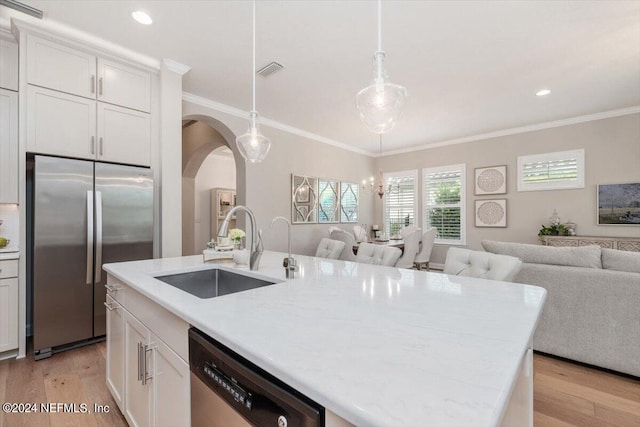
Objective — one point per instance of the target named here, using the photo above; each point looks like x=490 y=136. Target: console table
x=621 y=243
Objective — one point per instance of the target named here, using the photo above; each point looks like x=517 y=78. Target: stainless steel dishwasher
x=228 y=390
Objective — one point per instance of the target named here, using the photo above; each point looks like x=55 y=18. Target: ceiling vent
x=269 y=69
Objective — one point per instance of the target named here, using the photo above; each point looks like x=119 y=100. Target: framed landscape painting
x=619 y=204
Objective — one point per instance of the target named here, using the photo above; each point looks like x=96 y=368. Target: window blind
x=400 y=202
x=444 y=202
x=550 y=171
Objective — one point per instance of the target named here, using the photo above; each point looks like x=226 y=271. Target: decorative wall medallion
x=491 y=180
x=491 y=213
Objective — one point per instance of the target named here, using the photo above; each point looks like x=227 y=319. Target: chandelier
x=379 y=188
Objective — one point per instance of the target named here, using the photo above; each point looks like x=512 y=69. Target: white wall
x=268 y=184
x=612 y=155
x=217 y=171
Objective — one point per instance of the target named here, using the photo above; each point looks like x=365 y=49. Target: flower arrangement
x=236 y=235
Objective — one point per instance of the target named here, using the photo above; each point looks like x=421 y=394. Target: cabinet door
x=124 y=135
x=137 y=396
x=115 y=351
x=59 y=67
x=171 y=391
x=8 y=146
x=8 y=64
x=123 y=85
x=60 y=124
x=8 y=314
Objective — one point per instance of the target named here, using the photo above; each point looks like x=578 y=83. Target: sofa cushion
x=586 y=256
x=621 y=260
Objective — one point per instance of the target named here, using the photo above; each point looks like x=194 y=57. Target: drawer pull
x=110 y=307
x=112 y=288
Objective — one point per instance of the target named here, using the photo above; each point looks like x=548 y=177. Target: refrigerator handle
x=98 y=269
x=89 y=237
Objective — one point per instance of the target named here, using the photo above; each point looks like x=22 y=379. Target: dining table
x=394 y=243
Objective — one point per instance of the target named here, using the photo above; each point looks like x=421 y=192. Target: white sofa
x=592 y=311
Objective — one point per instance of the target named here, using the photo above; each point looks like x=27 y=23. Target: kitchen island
x=375 y=346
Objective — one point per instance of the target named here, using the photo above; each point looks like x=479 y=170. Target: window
x=551 y=171
x=444 y=202
x=401 y=194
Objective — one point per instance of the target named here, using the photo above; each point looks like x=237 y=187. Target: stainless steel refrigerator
x=85 y=214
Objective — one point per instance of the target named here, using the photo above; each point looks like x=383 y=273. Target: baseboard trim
x=587 y=365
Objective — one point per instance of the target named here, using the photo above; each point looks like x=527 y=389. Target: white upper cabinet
x=8 y=146
x=60 y=124
x=124 y=135
x=59 y=67
x=8 y=64
x=122 y=85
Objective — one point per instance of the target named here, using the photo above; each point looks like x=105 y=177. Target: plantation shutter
x=400 y=202
x=550 y=171
x=444 y=202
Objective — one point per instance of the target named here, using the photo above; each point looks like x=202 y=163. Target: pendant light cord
x=253 y=67
x=379 y=25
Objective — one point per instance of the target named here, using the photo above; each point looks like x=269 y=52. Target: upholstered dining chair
x=405 y=231
x=360 y=233
x=484 y=265
x=411 y=248
x=349 y=241
x=368 y=253
x=426 y=246
x=331 y=249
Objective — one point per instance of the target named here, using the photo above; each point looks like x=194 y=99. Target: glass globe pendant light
x=380 y=104
x=253 y=145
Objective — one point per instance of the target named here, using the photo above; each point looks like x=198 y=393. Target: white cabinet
x=124 y=135
x=61 y=124
x=84 y=106
x=149 y=380
x=122 y=85
x=171 y=391
x=8 y=64
x=137 y=392
x=115 y=351
x=8 y=305
x=8 y=146
x=55 y=66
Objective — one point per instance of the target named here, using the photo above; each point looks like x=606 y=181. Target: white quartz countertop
x=378 y=346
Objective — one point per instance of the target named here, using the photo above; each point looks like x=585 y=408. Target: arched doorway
x=210 y=160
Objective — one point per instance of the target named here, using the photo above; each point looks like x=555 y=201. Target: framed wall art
x=491 y=180
x=619 y=204
x=491 y=213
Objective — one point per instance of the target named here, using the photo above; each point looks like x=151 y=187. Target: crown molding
x=237 y=112
x=54 y=30
x=513 y=131
x=175 y=66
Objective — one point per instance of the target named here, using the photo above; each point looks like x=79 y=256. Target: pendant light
x=380 y=103
x=379 y=189
x=253 y=145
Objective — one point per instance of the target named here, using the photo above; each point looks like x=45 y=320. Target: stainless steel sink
x=213 y=283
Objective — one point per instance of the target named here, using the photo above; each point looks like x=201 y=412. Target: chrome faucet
x=289 y=263
x=256 y=246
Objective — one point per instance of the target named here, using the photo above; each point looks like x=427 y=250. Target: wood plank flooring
x=565 y=394
x=568 y=394
x=76 y=376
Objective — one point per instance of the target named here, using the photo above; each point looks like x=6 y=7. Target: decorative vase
x=237 y=245
x=241 y=257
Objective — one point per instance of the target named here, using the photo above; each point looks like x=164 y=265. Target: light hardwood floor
x=76 y=376
x=565 y=394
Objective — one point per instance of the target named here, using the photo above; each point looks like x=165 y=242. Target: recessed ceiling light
x=543 y=92
x=142 y=17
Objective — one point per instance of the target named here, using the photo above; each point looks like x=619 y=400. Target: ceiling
x=470 y=67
